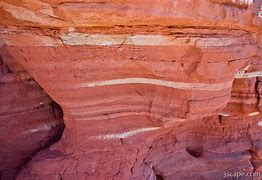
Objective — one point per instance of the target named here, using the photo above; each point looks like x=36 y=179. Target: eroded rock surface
x=246 y=91
x=29 y=119
x=205 y=149
x=141 y=84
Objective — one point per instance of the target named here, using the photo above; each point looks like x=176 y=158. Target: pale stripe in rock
x=253 y=113
x=249 y=2
x=170 y=84
x=249 y=114
x=77 y=39
x=126 y=134
x=242 y=74
x=169 y=119
x=142 y=40
x=44 y=127
x=224 y=114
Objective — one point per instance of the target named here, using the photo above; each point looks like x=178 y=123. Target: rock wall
x=29 y=119
x=141 y=84
x=246 y=92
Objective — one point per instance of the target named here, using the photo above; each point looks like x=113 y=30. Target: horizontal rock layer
x=131 y=75
x=111 y=14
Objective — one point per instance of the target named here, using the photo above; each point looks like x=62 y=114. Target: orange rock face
x=143 y=85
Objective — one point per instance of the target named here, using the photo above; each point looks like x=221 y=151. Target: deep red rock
x=141 y=84
x=246 y=91
x=29 y=119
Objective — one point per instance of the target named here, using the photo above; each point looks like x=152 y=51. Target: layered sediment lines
x=166 y=78
x=116 y=92
x=29 y=119
x=109 y=15
x=126 y=72
x=246 y=91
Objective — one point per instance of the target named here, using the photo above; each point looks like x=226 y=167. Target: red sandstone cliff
x=29 y=119
x=149 y=89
